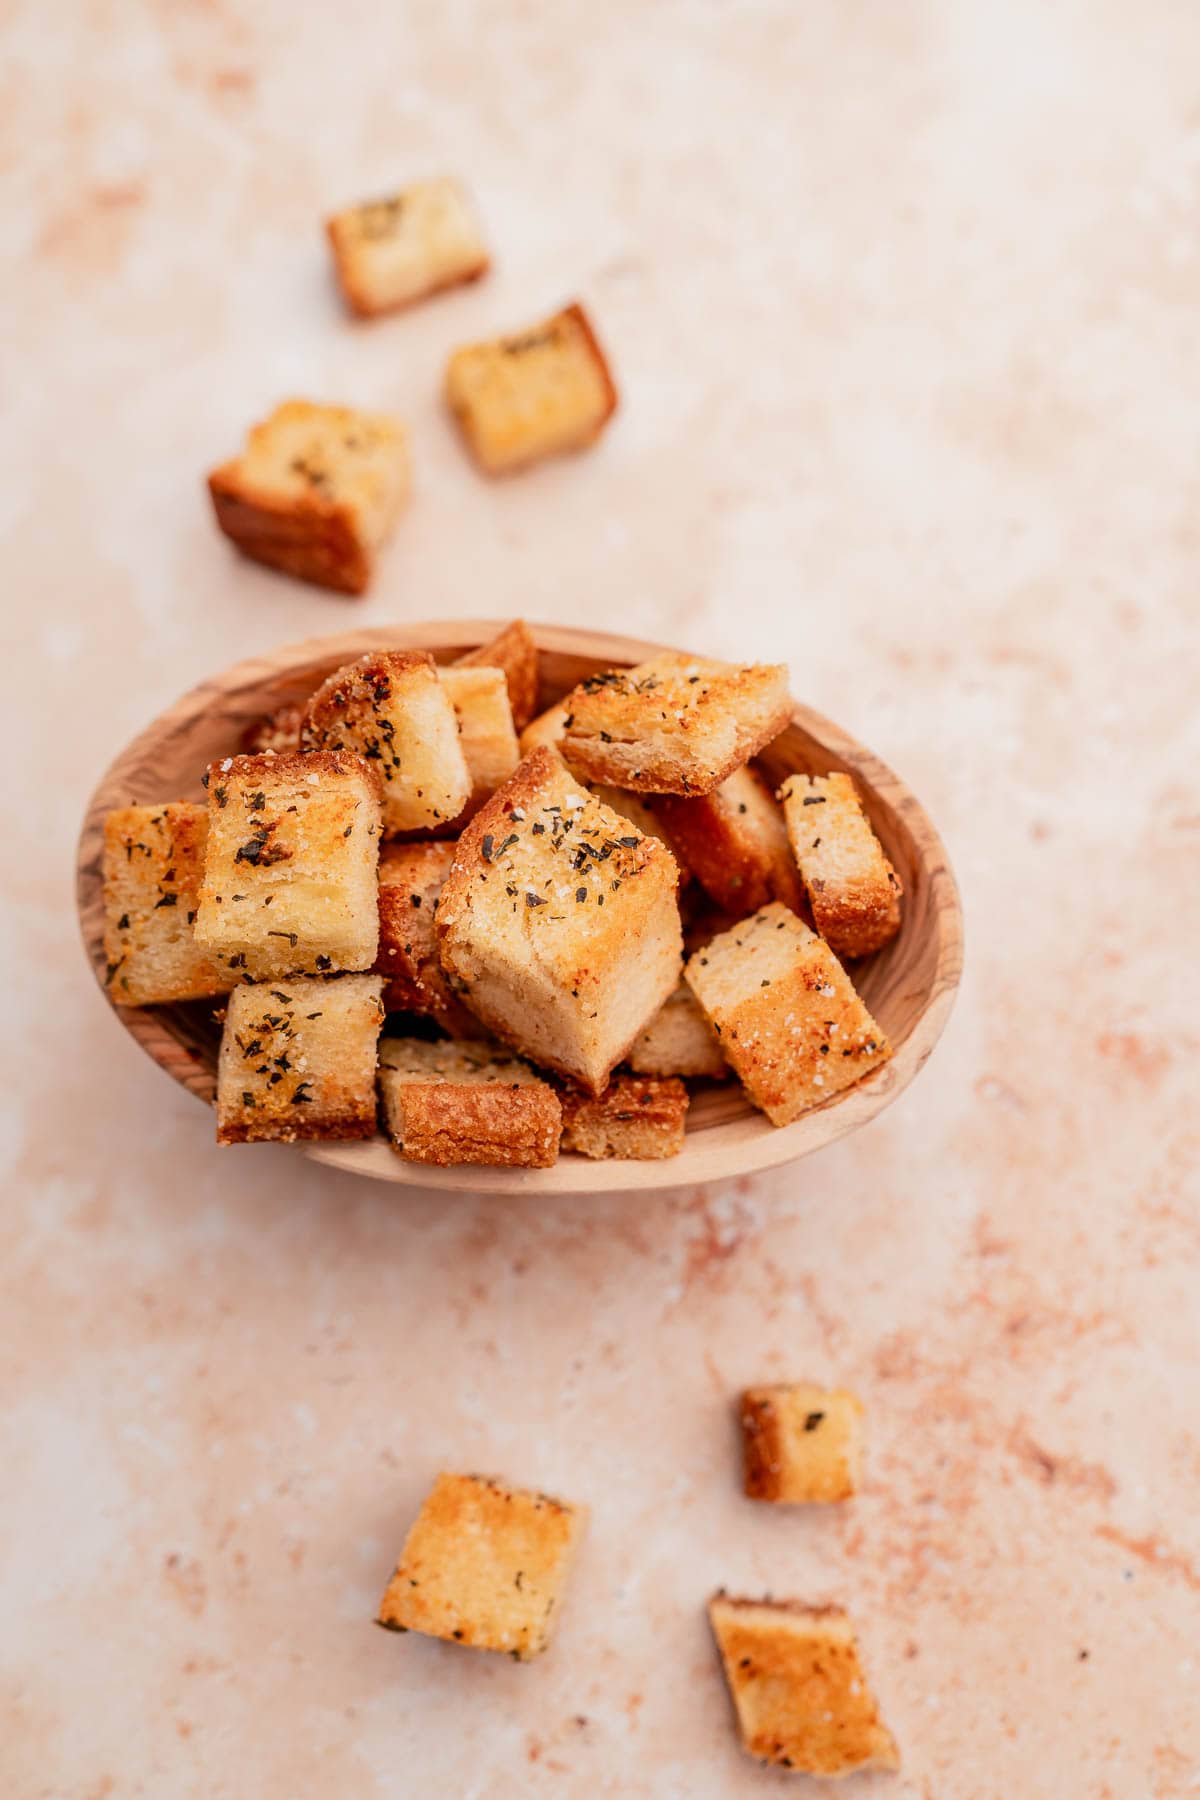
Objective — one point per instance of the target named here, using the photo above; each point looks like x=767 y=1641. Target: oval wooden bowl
x=909 y=986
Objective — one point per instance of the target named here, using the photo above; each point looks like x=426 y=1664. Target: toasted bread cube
x=153 y=867
x=485 y=1565
x=479 y=697
x=391 y=708
x=801 y=1444
x=514 y=651
x=546 y=730
x=290 y=864
x=315 y=492
x=278 y=731
x=298 y=1060
x=673 y=725
x=786 y=1014
x=798 y=1687
x=558 y=923
x=634 y=808
x=735 y=842
x=390 y=252
x=852 y=887
x=467 y=1103
x=637 y=1117
x=410 y=881
x=535 y=394
x=679 y=1041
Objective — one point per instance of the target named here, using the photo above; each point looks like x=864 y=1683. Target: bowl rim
x=704 y=1161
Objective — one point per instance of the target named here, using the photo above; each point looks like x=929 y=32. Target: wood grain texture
x=909 y=985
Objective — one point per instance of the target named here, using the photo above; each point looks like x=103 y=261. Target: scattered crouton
x=485 y=1565
x=536 y=394
x=479 y=697
x=674 y=725
x=298 y=1060
x=787 y=1016
x=558 y=923
x=153 y=867
x=639 y=1118
x=290 y=864
x=514 y=651
x=467 y=1103
x=800 y=1443
x=410 y=881
x=735 y=843
x=390 y=252
x=315 y=493
x=278 y=731
x=679 y=1041
x=852 y=887
x=799 y=1688
x=391 y=708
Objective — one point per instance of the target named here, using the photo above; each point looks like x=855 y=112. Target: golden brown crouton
x=298 y=1060
x=558 y=923
x=391 y=708
x=467 y=1103
x=479 y=697
x=735 y=843
x=410 y=881
x=546 y=730
x=315 y=492
x=391 y=252
x=801 y=1443
x=278 y=731
x=798 y=1687
x=637 y=1117
x=679 y=1041
x=634 y=808
x=485 y=1565
x=674 y=725
x=853 y=889
x=514 y=651
x=535 y=394
x=786 y=1014
x=153 y=867
x=290 y=864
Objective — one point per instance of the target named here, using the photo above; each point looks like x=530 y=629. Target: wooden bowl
x=909 y=986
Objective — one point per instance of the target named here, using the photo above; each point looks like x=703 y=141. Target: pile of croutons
x=516 y=907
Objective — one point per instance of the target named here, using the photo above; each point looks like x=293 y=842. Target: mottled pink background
x=904 y=301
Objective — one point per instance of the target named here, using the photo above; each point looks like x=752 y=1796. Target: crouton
x=679 y=1041
x=735 y=843
x=467 y=1103
x=558 y=923
x=290 y=864
x=798 y=1687
x=634 y=808
x=638 y=1118
x=673 y=725
x=800 y=1443
x=852 y=887
x=388 y=253
x=786 y=1014
x=479 y=697
x=410 y=881
x=485 y=1565
x=298 y=1060
x=547 y=729
x=153 y=867
x=532 y=395
x=391 y=708
x=315 y=493
x=278 y=731
x=514 y=651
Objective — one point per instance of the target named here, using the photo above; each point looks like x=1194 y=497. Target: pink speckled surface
x=905 y=304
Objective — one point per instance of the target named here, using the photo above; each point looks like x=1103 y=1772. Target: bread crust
x=675 y=724
x=638 y=1117
x=153 y=867
x=852 y=887
x=410 y=882
x=485 y=1565
x=786 y=1013
x=514 y=651
x=467 y=1103
x=798 y=1686
x=735 y=842
x=801 y=1444
x=297 y=1061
